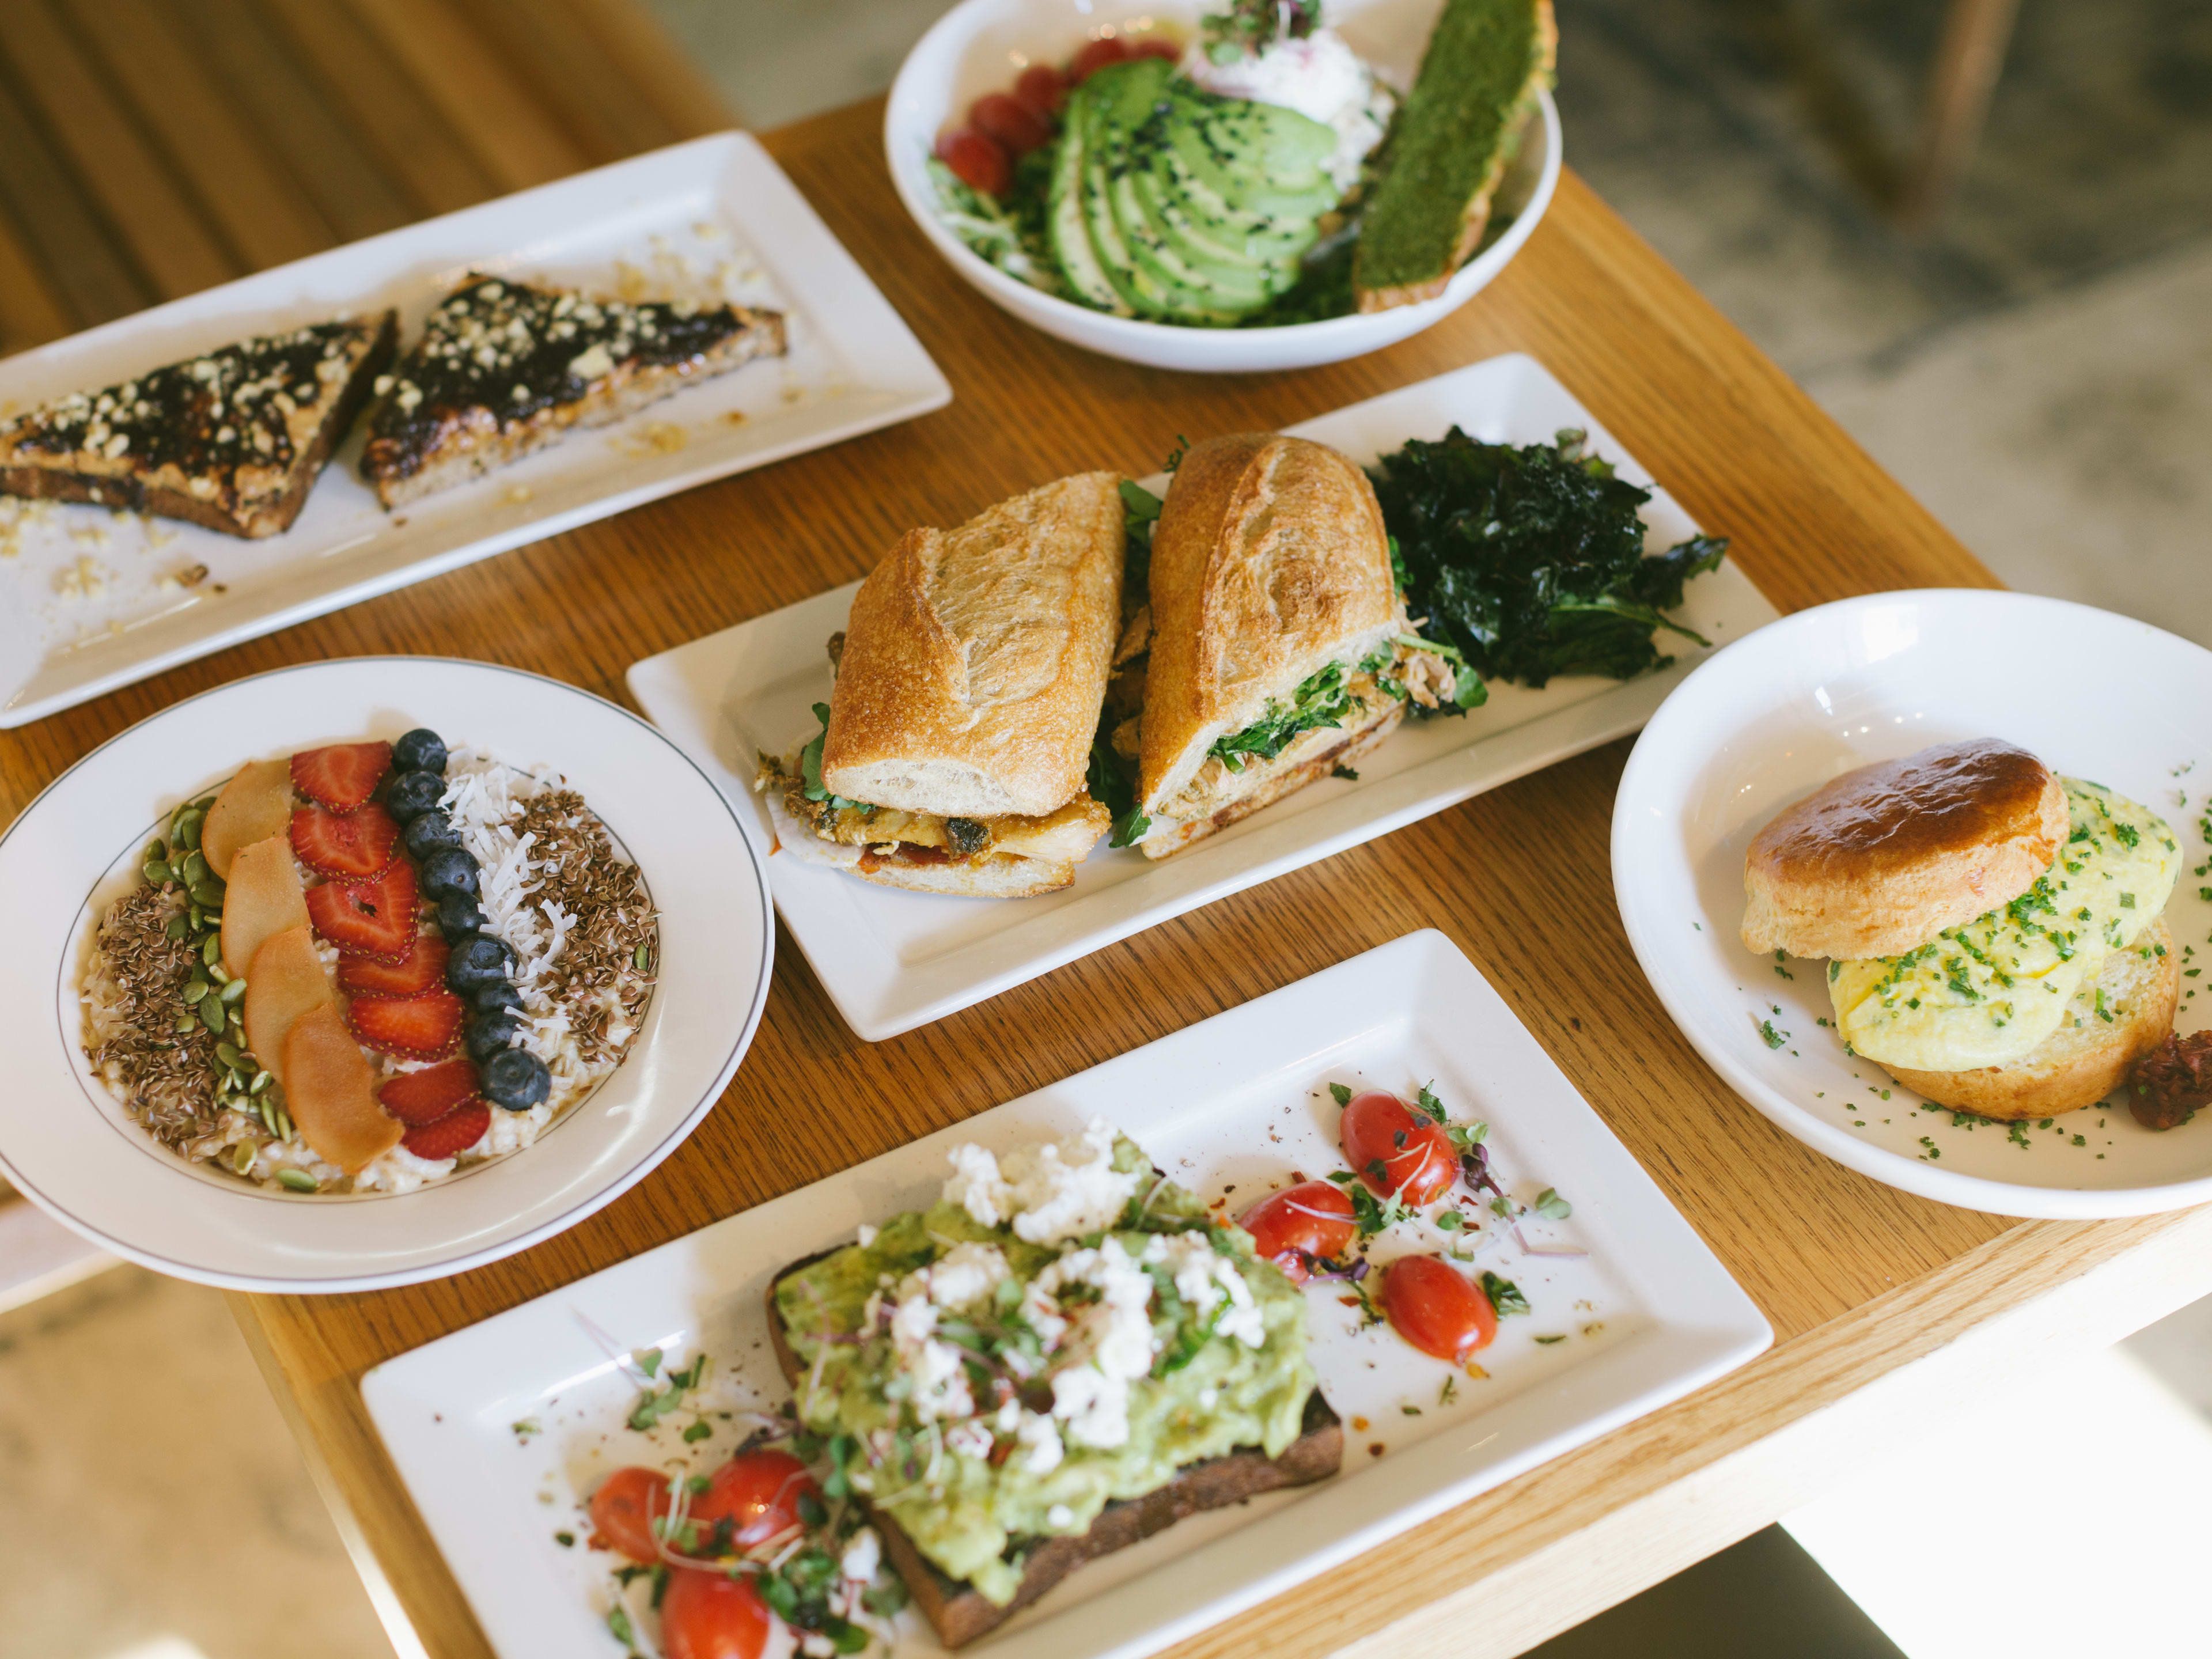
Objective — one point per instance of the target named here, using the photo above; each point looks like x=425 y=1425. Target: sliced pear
x=254 y=806
x=286 y=980
x=264 y=897
x=330 y=1089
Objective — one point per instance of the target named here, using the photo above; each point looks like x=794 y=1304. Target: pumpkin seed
x=269 y=1118
x=207 y=895
x=298 y=1181
x=188 y=829
x=261 y=1080
x=218 y=973
x=212 y=950
x=178 y=926
x=643 y=956
x=156 y=872
x=187 y=1021
x=196 y=870
x=194 y=991
x=242 y=1156
x=226 y=1053
x=284 y=1121
x=202 y=805
x=235 y=989
x=154 y=849
x=211 y=1013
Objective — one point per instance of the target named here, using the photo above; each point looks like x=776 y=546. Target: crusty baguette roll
x=1883 y=858
x=1269 y=562
x=2087 y=1057
x=1311 y=757
x=976 y=658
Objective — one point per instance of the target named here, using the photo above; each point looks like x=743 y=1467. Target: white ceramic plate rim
x=1693 y=1322
x=149 y=1256
x=1647 y=785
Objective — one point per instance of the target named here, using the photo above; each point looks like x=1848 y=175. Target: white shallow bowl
x=980 y=45
x=1775 y=715
x=69 y=1145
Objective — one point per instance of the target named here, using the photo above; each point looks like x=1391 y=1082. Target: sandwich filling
x=1063 y=1327
x=1988 y=992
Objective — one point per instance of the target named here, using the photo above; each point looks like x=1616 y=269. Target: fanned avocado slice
x=1066 y=226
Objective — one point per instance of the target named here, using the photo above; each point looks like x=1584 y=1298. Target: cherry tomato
x=1042 y=89
x=1436 y=1310
x=1095 y=57
x=709 y=1615
x=1417 y=1160
x=976 y=161
x=1157 y=45
x=625 y=1508
x=1290 y=1228
x=1017 y=128
x=758 y=1493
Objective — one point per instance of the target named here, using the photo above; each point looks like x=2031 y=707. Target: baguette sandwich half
x=1280 y=648
x=956 y=745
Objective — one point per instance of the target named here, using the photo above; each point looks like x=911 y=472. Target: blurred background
x=2013 y=316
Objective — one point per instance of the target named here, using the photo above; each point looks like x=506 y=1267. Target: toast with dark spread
x=231 y=440
x=960 y=1613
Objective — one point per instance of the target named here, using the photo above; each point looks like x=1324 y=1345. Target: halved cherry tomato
x=1042 y=90
x=1291 y=1227
x=1415 y=1154
x=758 y=1493
x=1017 y=128
x=1095 y=57
x=625 y=1508
x=1436 y=1310
x=976 y=161
x=709 y=1615
x=1156 y=45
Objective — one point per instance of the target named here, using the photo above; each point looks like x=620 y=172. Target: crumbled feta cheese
x=940 y=1381
x=971 y=1438
x=1202 y=1278
x=865 y=1237
x=1107 y=1345
x=963 y=1276
x=1038 y=1437
x=863 y=1555
x=1047 y=1193
x=1060 y=1515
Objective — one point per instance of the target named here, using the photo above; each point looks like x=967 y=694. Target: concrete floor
x=2037 y=371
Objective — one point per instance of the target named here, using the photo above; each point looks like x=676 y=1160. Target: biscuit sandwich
x=1992 y=929
x=955 y=746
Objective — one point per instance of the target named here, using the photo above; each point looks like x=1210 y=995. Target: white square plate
x=503 y=1430
x=894 y=960
x=90 y=601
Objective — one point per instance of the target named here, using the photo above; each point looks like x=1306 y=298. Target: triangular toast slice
x=232 y=439
x=505 y=368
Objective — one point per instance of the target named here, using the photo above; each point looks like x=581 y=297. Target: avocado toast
x=1060 y=1357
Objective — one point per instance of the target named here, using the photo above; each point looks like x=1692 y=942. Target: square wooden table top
x=1888 y=1311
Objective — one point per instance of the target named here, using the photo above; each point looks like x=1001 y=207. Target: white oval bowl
x=68 y=1145
x=1771 y=717
x=980 y=45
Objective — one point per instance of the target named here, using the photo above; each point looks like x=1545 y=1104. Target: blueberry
x=410 y=794
x=514 y=1080
x=428 y=831
x=420 y=750
x=448 y=870
x=459 y=915
x=489 y=1033
x=498 y=994
x=477 y=960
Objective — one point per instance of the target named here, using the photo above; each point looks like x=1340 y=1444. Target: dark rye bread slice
x=232 y=440
x=959 y=1613
x=505 y=368
x=1448 y=148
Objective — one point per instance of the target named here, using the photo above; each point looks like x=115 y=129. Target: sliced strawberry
x=369 y=918
x=343 y=776
x=420 y=1097
x=353 y=846
x=421 y=1028
x=422 y=968
x=451 y=1134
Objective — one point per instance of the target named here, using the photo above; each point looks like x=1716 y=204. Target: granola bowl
x=506 y=947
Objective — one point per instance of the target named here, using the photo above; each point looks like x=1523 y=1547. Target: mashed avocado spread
x=1987 y=993
x=1064 y=1326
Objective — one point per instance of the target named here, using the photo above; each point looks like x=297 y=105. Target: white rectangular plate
x=91 y=599
x=501 y=1431
x=894 y=960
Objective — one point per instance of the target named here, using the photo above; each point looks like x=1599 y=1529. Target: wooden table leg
x=1967 y=62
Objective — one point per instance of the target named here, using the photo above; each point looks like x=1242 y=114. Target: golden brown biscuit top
x=1953 y=797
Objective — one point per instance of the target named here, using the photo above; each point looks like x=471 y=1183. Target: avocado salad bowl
x=1228 y=185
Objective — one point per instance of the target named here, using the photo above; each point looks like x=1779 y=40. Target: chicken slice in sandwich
x=1280 y=648
x=955 y=745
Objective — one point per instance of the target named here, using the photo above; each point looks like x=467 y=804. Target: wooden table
x=1891 y=1314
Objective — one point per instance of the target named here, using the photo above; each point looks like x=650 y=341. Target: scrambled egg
x=1986 y=992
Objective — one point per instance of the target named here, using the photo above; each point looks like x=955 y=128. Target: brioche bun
x=1885 y=857
x=2087 y=1058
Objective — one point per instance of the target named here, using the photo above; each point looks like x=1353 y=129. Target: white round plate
x=1771 y=717
x=980 y=45
x=68 y=1145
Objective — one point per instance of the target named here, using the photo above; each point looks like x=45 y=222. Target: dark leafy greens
x=1320 y=699
x=1531 y=560
x=809 y=766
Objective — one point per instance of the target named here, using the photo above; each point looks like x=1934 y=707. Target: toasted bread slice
x=505 y=368
x=959 y=1613
x=232 y=440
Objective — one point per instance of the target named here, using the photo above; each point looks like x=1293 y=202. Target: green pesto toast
x=1062 y=1355
x=1448 y=147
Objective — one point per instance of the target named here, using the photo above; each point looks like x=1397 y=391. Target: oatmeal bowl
x=363 y=972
